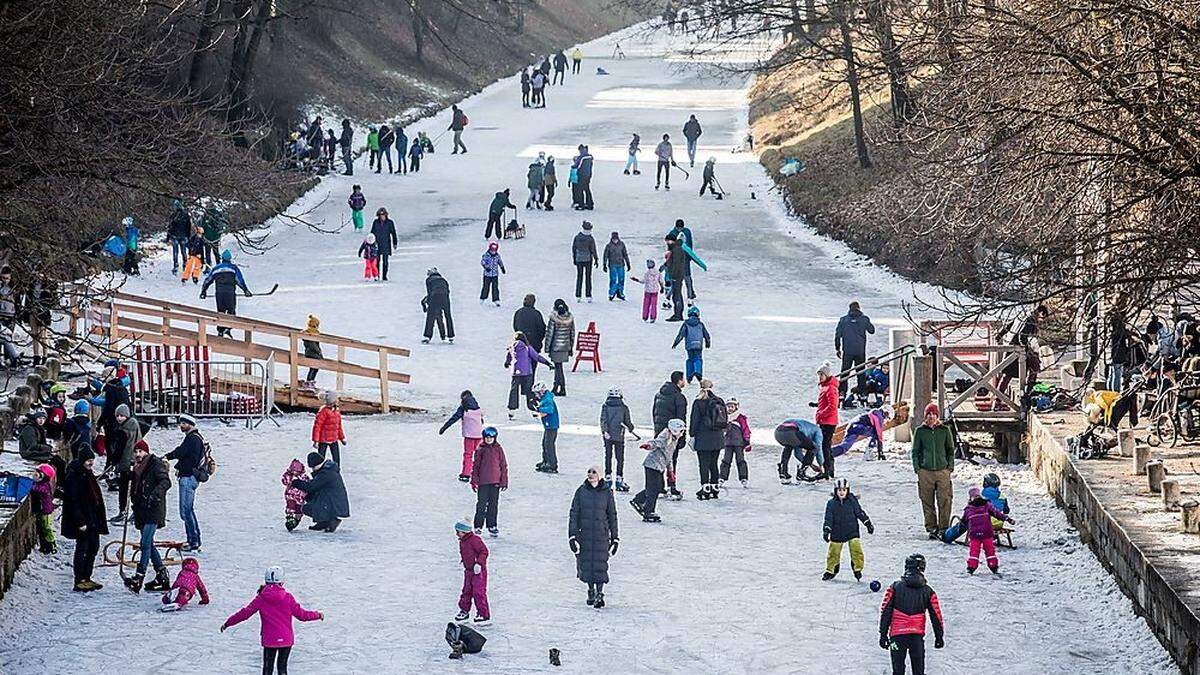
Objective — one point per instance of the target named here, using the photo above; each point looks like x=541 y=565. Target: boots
x=134 y=583
x=714 y=491
x=161 y=582
x=621 y=485
x=784 y=477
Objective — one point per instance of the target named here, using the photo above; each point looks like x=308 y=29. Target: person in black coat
x=346 y=141
x=179 y=228
x=436 y=305
x=671 y=404
x=83 y=516
x=387 y=138
x=385 y=238
x=528 y=320
x=708 y=422
x=148 y=499
x=592 y=534
x=115 y=395
x=500 y=202
x=842 y=515
x=327 y=502
x=560 y=68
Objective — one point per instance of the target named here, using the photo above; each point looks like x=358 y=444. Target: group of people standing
x=537 y=78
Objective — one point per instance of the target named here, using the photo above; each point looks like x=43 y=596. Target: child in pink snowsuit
x=276 y=608
x=652 y=281
x=474 y=555
x=41 y=496
x=187 y=582
x=293 y=497
x=978 y=520
x=472 y=430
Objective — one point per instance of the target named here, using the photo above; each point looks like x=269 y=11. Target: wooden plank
x=383 y=383
x=293 y=370
x=246 y=338
x=341 y=377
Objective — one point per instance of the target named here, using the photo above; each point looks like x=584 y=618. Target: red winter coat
x=827 y=402
x=472 y=550
x=327 y=428
x=491 y=467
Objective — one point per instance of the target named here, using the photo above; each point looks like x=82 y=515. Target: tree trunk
x=203 y=44
x=241 y=65
x=418 y=30
x=903 y=107
x=860 y=137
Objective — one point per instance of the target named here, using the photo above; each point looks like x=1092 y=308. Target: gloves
x=606 y=436
x=825 y=535
x=474 y=488
x=938 y=643
x=883 y=641
x=441 y=431
x=812 y=404
x=612 y=546
x=870 y=528
x=478 y=568
x=204 y=602
x=748 y=448
x=574 y=545
x=504 y=488
x=203 y=296
x=320 y=616
x=1012 y=521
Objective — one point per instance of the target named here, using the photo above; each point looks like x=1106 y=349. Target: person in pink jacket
x=977 y=517
x=187 y=583
x=472 y=430
x=489 y=477
x=276 y=609
x=474 y=554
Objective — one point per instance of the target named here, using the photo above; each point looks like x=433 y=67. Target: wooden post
x=247 y=338
x=341 y=357
x=112 y=325
x=202 y=332
x=293 y=369
x=1156 y=471
x=1190 y=522
x=1141 y=455
x=1125 y=442
x=1170 y=494
x=922 y=378
x=385 y=405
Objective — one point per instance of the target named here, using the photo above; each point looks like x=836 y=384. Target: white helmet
x=676 y=426
x=888 y=411
x=540 y=388
x=273 y=575
x=615 y=391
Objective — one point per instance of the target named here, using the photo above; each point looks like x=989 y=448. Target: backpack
x=472 y=641
x=465 y=119
x=718 y=416
x=207 y=466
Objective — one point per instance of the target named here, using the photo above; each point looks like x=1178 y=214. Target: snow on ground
x=726 y=586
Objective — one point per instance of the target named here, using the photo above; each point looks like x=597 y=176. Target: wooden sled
x=116 y=550
x=514 y=230
x=1002 y=536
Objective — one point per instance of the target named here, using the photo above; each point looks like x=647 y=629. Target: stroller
x=1105 y=410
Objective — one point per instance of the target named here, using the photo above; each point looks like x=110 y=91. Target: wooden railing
x=125 y=317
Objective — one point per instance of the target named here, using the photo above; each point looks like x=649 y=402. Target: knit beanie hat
x=84 y=454
x=973 y=493
x=463 y=525
x=826 y=369
x=932 y=409
x=122 y=411
x=331 y=398
x=315 y=459
x=313 y=326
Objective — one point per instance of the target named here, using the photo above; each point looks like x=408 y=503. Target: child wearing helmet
x=656 y=464
x=489 y=477
x=42 y=500
x=276 y=608
x=547 y=412
x=842 y=515
x=737 y=444
x=368 y=250
x=695 y=338
x=614 y=420
x=991 y=492
x=56 y=412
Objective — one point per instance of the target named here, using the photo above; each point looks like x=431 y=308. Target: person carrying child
x=656 y=465
x=489 y=477
x=842 y=515
x=474 y=554
x=978 y=516
x=187 y=584
x=695 y=338
x=312 y=350
x=652 y=283
x=737 y=444
x=276 y=608
x=357 y=202
x=42 y=501
x=293 y=497
x=472 y=430
x=369 y=252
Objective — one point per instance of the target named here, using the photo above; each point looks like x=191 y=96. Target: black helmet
x=914 y=563
x=991 y=480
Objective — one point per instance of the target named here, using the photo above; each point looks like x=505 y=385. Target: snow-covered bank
x=731 y=585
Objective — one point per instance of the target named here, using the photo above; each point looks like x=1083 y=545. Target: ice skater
x=469 y=413
x=737 y=443
x=656 y=465
x=474 y=555
x=695 y=338
x=489 y=477
x=614 y=420
x=651 y=285
x=276 y=608
x=842 y=516
x=794 y=434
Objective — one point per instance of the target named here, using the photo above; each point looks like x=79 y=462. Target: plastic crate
x=13 y=488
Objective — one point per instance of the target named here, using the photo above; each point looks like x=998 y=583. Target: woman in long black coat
x=83 y=516
x=592 y=533
x=326 y=501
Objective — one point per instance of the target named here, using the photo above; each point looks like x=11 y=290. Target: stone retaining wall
x=1172 y=620
x=17 y=539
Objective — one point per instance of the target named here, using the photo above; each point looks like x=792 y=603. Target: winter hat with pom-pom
x=47 y=471
x=826 y=369
x=331 y=398
x=313 y=326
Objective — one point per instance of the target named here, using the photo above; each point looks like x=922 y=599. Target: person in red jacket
x=474 y=555
x=327 y=428
x=827 y=412
x=902 y=617
x=489 y=477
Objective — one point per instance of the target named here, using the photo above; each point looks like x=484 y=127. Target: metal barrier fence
x=165 y=385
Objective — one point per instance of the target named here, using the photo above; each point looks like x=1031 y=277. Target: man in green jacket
x=933 y=462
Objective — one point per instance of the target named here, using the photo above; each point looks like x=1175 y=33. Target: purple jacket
x=521 y=358
x=978 y=517
x=42 y=495
x=490 y=467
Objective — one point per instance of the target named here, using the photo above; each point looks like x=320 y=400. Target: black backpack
x=718 y=416
x=472 y=641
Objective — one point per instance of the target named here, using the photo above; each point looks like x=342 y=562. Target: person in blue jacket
x=547 y=411
x=695 y=338
x=991 y=492
x=794 y=434
x=228 y=278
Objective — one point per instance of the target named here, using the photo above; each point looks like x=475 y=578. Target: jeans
x=87 y=545
x=549 y=449
x=694 y=366
x=631 y=164
x=663 y=167
x=691 y=150
x=487 y=499
x=616 y=282
x=1116 y=376
x=187 y=508
x=612 y=447
x=583 y=279
x=348 y=160
x=458 y=142
x=384 y=152
x=178 y=252
x=149 y=553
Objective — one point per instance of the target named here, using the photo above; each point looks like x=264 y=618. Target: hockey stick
x=686 y=175
x=270 y=292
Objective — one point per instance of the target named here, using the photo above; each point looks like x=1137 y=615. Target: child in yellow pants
x=842 y=516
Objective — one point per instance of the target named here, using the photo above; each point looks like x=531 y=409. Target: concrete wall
x=1175 y=624
x=17 y=539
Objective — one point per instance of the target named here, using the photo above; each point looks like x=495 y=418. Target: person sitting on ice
x=977 y=518
x=991 y=492
x=187 y=583
x=870 y=426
